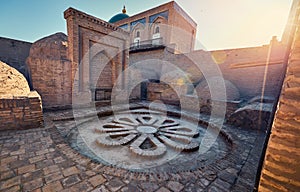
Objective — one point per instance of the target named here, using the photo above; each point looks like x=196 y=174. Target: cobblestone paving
x=41 y=160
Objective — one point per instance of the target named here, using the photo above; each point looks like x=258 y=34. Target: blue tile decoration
x=164 y=14
x=133 y=23
x=125 y=26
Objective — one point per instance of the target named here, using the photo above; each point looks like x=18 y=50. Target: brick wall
x=183 y=32
x=245 y=67
x=91 y=40
x=165 y=92
x=19 y=108
x=51 y=70
x=178 y=29
x=14 y=53
x=205 y=106
x=21 y=112
x=281 y=169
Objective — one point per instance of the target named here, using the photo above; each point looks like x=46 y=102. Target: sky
x=222 y=24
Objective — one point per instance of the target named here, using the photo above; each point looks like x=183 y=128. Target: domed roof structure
x=51 y=47
x=119 y=16
x=232 y=92
x=50 y=70
x=12 y=82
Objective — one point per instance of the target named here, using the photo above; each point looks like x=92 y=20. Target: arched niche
x=102 y=74
x=138 y=34
x=157 y=30
x=102 y=70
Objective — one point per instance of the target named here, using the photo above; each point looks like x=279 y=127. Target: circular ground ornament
x=145 y=140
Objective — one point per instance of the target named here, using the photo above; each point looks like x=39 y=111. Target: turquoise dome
x=118 y=17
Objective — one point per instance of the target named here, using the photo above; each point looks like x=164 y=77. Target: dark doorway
x=144 y=91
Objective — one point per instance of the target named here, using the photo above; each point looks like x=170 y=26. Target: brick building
x=165 y=33
x=155 y=27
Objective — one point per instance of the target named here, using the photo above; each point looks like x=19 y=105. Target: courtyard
x=42 y=159
x=133 y=104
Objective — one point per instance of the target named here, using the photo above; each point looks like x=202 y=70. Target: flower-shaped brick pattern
x=148 y=135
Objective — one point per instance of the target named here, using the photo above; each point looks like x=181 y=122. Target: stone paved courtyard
x=42 y=160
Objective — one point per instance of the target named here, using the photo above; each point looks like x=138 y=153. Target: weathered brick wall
x=281 y=169
x=21 y=112
x=181 y=61
x=204 y=90
x=88 y=37
x=152 y=70
x=19 y=108
x=245 y=67
x=14 y=53
x=165 y=92
x=205 y=106
x=51 y=70
x=184 y=30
